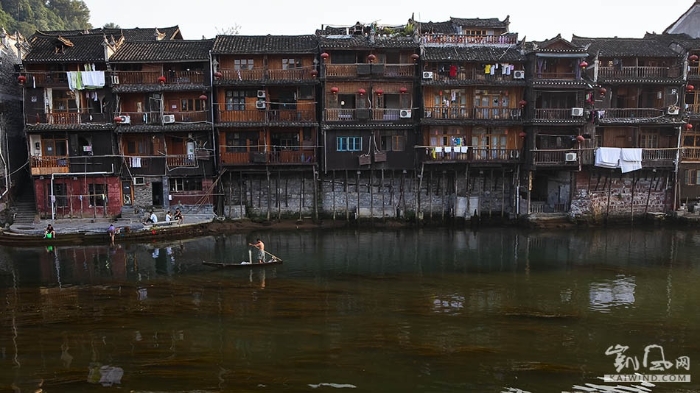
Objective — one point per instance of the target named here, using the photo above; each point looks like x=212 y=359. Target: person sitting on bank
x=49 y=233
x=168 y=216
x=178 y=216
x=152 y=219
x=111 y=231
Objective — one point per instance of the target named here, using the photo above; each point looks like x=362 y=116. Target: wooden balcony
x=558 y=157
x=569 y=76
x=690 y=154
x=181 y=160
x=662 y=157
x=447 y=113
x=556 y=115
x=293 y=74
x=67 y=118
x=472 y=75
x=626 y=114
x=693 y=110
x=47 y=165
x=365 y=69
x=693 y=73
x=46 y=79
x=255 y=74
x=279 y=155
x=637 y=72
x=152 y=78
x=348 y=114
x=304 y=114
x=455 y=39
x=468 y=154
x=155 y=118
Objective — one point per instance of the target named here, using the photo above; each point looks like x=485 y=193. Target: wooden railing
x=46 y=165
x=661 y=156
x=294 y=74
x=554 y=156
x=358 y=69
x=693 y=110
x=557 y=75
x=269 y=155
x=67 y=118
x=630 y=113
x=306 y=113
x=556 y=115
x=359 y=114
x=153 y=77
x=508 y=39
x=637 y=72
x=155 y=118
x=181 y=160
x=46 y=79
x=468 y=154
x=693 y=72
x=650 y=157
x=472 y=113
x=473 y=74
x=690 y=154
x=254 y=74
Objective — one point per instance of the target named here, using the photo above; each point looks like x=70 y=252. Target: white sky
x=535 y=19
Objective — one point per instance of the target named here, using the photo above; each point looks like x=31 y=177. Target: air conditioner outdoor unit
x=125 y=119
x=519 y=74
x=405 y=114
x=570 y=157
x=139 y=181
x=427 y=75
x=168 y=119
x=261 y=93
x=115 y=79
x=673 y=110
x=260 y=104
x=578 y=112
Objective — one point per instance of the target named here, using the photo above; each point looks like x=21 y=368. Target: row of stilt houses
x=424 y=120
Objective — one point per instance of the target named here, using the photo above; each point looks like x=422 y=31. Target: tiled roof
x=557 y=45
x=489 y=23
x=246 y=44
x=625 y=47
x=473 y=53
x=684 y=40
x=362 y=42
x=163 y=51
x=80 y=48
x=133 y=34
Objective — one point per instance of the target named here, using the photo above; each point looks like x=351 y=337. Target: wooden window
x=241 y=141
x=139 y=146
x=59 y=191
x=649 y=140
x=288 y=64
x=235 y=100
x=692 y=177
x=191 y=105
x=185 y=184
x=243 y=64
x=54 y=146
x=97 y=194
x=392 y=140
x=349 y=143
x=305 y=93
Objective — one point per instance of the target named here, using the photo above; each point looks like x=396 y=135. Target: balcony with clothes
x=655 y=147
x=75 y=80
x=557 y=107
x=637 y=104
x=468 y=154
x=68 y=118
x=445 y=72
x=66 y=107
x=561 y=147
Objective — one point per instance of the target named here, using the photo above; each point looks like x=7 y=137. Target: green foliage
x=27 y=16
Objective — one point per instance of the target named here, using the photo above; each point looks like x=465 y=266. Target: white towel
x=630 y=159
x=136 y=162
x=438 y=149
x=607 y=157
x=463 y=149
x=448 y=149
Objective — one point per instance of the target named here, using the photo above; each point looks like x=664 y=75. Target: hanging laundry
x=487 y=69
x=453 y=71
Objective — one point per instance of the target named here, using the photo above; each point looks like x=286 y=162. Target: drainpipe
x=676 y=194
x=53 y=176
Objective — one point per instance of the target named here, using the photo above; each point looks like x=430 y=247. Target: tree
x=232 y=30
x=111 y=25
x=27 y=16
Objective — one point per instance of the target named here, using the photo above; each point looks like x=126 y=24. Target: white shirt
x=154 y=218
x=167 y=217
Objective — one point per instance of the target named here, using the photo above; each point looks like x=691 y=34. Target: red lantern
x=688 y=126
x=379 y=92
x=522 y=103
x=314 y=73
x=334 y=90
x=403 y=90
x=693 y=58
x=203 y=97
x=371 y=58
x=690 y=88
x=325 y=56
x=522 y=134
x=583 y=64
x=603 y=91
x=217 y=75
x=362 y=92
x=580 y=138
x=117 y=119
x=21 y=79
x=161 y=79
x=415 y=57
